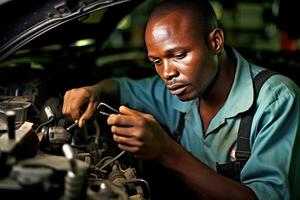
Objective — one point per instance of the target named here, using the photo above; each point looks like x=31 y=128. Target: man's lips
x=177 y=89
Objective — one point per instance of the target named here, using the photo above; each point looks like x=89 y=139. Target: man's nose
x=169 y=70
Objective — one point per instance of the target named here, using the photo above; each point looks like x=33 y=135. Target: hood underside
x=27 y=20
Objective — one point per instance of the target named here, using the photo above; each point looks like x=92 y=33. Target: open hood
x=24 y=20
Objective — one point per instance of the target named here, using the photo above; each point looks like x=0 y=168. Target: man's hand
x=75 y=100
x=139 y=134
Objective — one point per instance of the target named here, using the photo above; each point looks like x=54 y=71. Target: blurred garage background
x=264 y=31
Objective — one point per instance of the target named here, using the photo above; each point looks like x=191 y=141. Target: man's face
x=180 y=56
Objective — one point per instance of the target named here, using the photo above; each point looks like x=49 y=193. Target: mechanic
x=202 y=88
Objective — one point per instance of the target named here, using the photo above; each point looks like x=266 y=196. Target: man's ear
x=216 y=40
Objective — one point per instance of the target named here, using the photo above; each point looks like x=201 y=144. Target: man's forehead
x=160 y=32
x=177 y=18
x=170 y=25
x=166 y=29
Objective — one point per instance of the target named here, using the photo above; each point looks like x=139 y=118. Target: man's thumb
x=126 y=111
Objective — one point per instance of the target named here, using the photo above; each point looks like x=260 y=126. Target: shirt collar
x=184 y=106
x=240 y=97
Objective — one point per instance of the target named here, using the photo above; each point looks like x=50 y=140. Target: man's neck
x=214 y=98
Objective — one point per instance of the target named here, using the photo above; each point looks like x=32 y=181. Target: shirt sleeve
x=271 y=171
x=149 y=95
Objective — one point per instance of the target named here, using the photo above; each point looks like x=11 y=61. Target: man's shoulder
x=278 y=91
x=277 y=82
x=282 y=85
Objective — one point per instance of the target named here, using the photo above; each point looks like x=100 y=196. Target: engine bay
x=44 y=155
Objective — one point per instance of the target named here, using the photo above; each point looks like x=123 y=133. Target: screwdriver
x=72 y=126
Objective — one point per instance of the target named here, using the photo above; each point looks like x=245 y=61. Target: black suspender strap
x=179 y=129
x=243 y=150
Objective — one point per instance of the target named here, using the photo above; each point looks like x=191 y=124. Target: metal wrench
x=101 y=105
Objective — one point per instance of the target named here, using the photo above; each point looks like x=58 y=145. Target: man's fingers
x=128 y=141
x=75 y=99
x=81 y=122
x=127 y=117
x=65 y=105
x=71 y=107
x=127 y=111
x=131 y=149
x=122 y=131
x=121 y=120
x=88 y=113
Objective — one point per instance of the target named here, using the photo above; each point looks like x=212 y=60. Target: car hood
x=24 y=20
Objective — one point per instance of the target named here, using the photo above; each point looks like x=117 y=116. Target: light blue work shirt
x=274 y=165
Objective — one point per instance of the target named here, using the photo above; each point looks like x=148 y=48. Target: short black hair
x=204 y=11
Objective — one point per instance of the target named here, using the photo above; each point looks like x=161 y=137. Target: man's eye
x=156 y=61
x=180 y=56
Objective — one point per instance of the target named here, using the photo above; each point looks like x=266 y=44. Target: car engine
x=44 y=155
